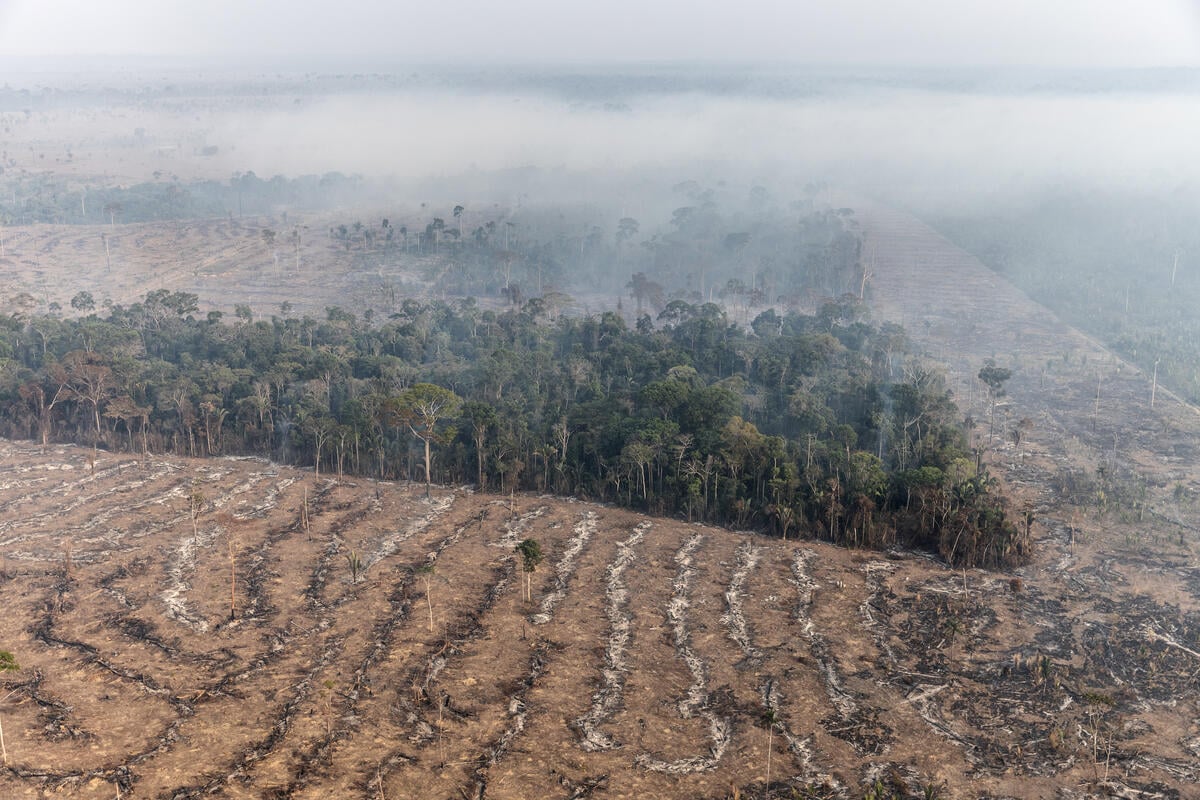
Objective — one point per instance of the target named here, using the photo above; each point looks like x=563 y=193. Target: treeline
x=38 y=197
x=819 y=424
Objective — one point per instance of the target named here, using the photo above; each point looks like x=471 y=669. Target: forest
x=798 y=423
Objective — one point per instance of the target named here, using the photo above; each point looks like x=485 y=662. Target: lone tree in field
x=354 y=560
x=994 y=377
x=426 y=572
x=7 y=664
x=196 y=501
x=422 y=409
x=531 y=555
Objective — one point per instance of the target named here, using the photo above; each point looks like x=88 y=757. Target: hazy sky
x=923 y=32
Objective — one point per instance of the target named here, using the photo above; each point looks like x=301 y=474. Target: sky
x=1059 y=33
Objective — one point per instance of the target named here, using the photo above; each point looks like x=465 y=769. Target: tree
x=8 y=663
x=321 y=429
x=627 y=228
x=426 y=572
x=994 y=377
x=642 y=289
x=421 y=409
x=482 y=418
x=196 y=501
x=296 y=248
x=531 y=555
x=90 y=380
x=83 y=302
x=268 y=236
x=34 y=395
x=123 y=408
x=232 y=551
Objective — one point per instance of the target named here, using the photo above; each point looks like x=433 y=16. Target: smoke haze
x=900 y=142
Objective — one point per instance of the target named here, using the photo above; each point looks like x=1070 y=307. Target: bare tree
x=34 y=396
x=90 y=380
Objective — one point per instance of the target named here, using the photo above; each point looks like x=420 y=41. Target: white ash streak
x=515 y=529
x=819 y=648
x=179 y=570
x=800 y=747
x=734 y=617
x=270 y=500
x=874 y=570
x=564 y=570
x=608 y=697
x=719 y=730
x=391 y=543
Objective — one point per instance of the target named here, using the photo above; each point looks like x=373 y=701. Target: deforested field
x=236 y=628
x=380 y=646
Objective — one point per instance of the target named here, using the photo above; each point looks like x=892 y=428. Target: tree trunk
x=427 y=459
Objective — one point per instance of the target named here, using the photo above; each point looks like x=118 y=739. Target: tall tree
x=531 y=555
x=7 y=664
x=482 y=418
x=994 y=377
x=90 y=380
x=422 y=409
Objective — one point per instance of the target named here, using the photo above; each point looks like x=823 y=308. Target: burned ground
x=656 y=657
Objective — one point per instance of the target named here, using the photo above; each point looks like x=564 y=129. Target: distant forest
x=800 y=424
x=1123 y=266
x=745 y=249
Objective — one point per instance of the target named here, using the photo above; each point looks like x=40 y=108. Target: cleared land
x=225 y=261
x=653 y=651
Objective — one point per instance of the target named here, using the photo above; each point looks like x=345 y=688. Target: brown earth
x=225 y=261
x=653 y=650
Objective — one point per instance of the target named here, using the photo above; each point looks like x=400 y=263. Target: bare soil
x=225 y=261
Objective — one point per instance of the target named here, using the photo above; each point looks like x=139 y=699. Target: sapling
x=7 y=664
x=356 y=565
x=769 y=720
x=304 y=511
x=232 y=578
x=327 y=705
x=196 y=500
x=531 y=555
x=426 y=573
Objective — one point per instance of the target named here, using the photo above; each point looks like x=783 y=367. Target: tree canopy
x=792 y=423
